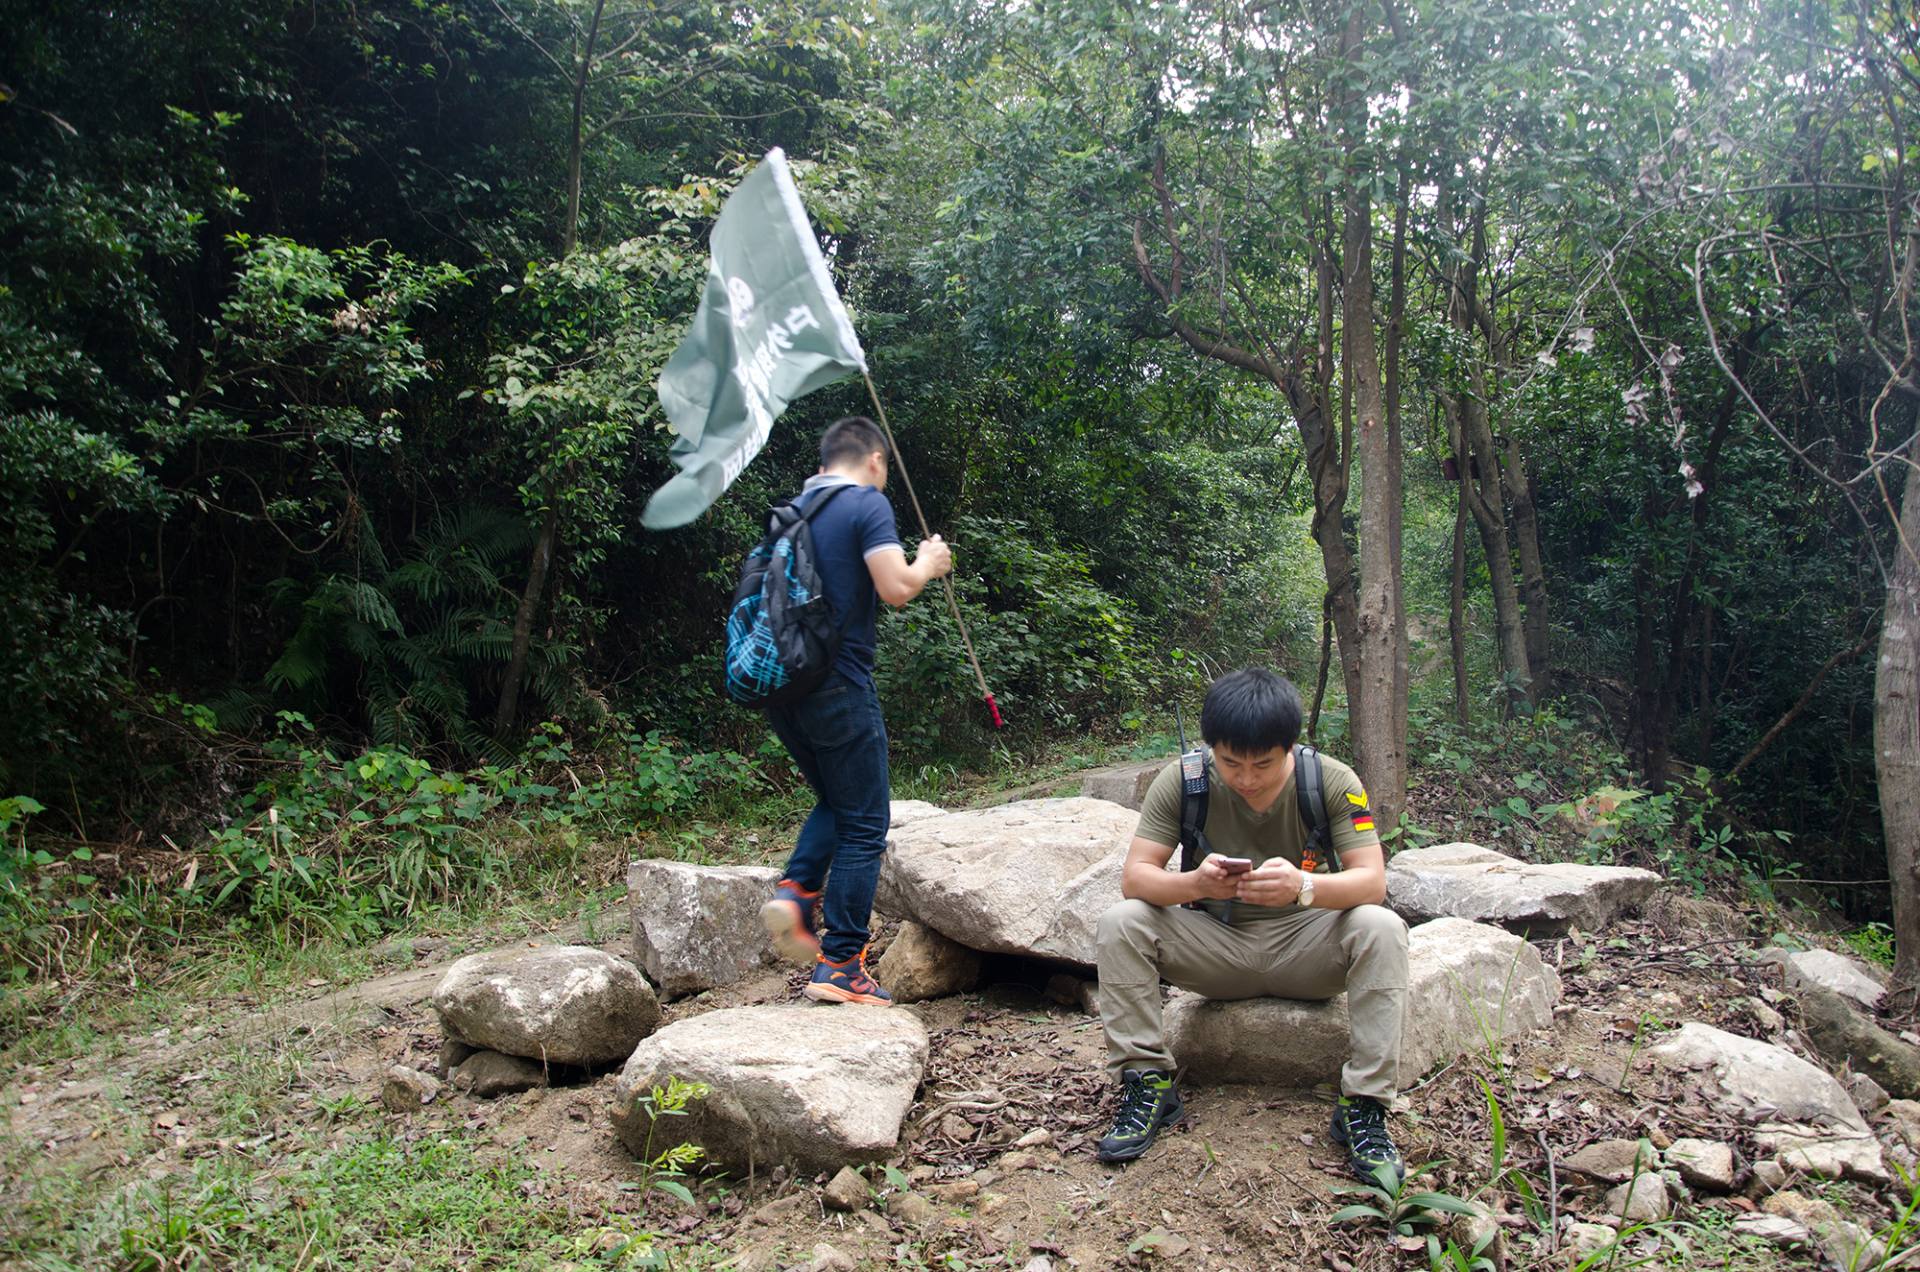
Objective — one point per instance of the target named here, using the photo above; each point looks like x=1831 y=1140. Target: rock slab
x=1844 y=1034
x=1798 y=1111
x=695 y=927
x=1823 y=969
x=813 y=1087
x=1123 y=784
x=1465 y=980
x=558 y=1004
x=1030 y=878
x=1467 y=881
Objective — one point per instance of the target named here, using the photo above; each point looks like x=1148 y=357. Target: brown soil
x=1246 y=1182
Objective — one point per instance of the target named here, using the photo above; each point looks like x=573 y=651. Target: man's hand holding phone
x=1219 y=876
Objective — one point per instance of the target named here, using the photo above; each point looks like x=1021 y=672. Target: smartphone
x=1235 y=865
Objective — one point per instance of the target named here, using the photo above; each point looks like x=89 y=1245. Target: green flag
x=769 y=328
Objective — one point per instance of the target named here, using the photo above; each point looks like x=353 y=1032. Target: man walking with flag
x=770 y=328
x=835 y=734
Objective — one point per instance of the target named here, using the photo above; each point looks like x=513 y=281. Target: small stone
x=828 y=1259
x=1585 y=1239
x=1868 y=1096
x=1023 y=1161
x=1613 y=1161
x=922 y=1174
x=489 y=1073
x=1038 y=1263
x=958 y=1192
x=846 y=1191
x=453 y=1054
x=1766 y=1017
x=1644 y=1200
x=407 y=1089
x=1034 y=1138
x=955 y=1127
x=1703 y=1163
x=1173 y=1246
x=1478 y=1234
x=781 y=1209
x=1767 y=1177
x=1773 y=1229
x=993 y=1203
x=911 y=1208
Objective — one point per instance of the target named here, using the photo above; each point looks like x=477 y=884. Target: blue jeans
x=839 y=742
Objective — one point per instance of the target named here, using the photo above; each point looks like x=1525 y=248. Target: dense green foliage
x=317 y=329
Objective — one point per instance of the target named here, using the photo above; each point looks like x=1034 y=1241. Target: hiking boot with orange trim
x=846 y=982
x=788 y=918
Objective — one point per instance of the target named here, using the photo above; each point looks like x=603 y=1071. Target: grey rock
x=1470 y=882
x=816 y=1088
x=1903 y=1116
x=911 y=1209
x=560 y=1004
x=1868 y=1096
x=489 y=1074
x=1840 y=1031
x=920 y=964
x=1461 y=975
x=1773 y=1229
x=1124 y=784
x=1799 y=1111
x=1768 y=1176
x=1756 y=1080
x=1823 y=969
x=453 y=1054
x=1613 y=1161
x=1845 y=1243
x=1583 y=1239
x=1030 y=878
x=1479 y=1235
x=695 y=927
x=405 y=1090
x=905 y=812
x=1643 y=1200
x=846 y=1190
x=827 y=1258
x=1703 y=1163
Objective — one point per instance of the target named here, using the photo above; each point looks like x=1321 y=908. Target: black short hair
x=849 y=440
x=1251 y=709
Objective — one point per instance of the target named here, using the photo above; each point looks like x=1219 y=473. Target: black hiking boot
x=1148 y=1101
x=1360 y=1126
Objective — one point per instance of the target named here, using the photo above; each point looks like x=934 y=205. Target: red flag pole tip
x=994 y=707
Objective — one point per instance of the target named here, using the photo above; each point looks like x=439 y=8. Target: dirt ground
x=1246 y=1182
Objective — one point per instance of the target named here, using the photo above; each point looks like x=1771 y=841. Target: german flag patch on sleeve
x=1361 y=814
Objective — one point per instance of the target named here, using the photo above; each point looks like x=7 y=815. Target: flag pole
x=953 y=604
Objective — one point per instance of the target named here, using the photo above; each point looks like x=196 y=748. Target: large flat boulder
x=1798 y=1110
x=1123 y=784
x=812 y=1087
x=1029 y=878
x=1466 y=981
x=695 y=927
x=558 y=1004
x=1466 y=881
x=1823 y=969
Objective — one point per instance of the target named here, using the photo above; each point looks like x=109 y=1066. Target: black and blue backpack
x=782 y=633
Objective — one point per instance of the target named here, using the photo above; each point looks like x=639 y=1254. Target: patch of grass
x=370 y=1201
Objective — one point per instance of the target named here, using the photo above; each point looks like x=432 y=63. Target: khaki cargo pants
x=1307 y=954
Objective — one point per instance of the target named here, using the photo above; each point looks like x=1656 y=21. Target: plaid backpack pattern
x=782 y=634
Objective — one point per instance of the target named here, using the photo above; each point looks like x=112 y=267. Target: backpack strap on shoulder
x=1309 y=786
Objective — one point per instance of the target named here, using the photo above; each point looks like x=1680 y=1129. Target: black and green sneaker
x=1148 y=1101
x=1360 y=1125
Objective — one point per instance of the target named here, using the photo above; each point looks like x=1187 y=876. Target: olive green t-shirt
x=1235 y=830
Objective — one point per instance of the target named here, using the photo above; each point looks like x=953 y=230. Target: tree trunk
x=1896 y=744
x=1470 y=418
x=1457 y=603
x=1396 y=458
x=523 y=617
x=1533 y=573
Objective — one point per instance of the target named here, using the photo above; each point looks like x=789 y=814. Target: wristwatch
x=1305 y=899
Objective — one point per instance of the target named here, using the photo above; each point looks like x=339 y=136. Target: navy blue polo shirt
x=858 y=523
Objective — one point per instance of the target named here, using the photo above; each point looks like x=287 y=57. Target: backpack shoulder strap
x=783 y=515
x=1309 y=786
x=1195 y=795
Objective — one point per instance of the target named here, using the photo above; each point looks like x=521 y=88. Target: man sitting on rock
x=1281 y=926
